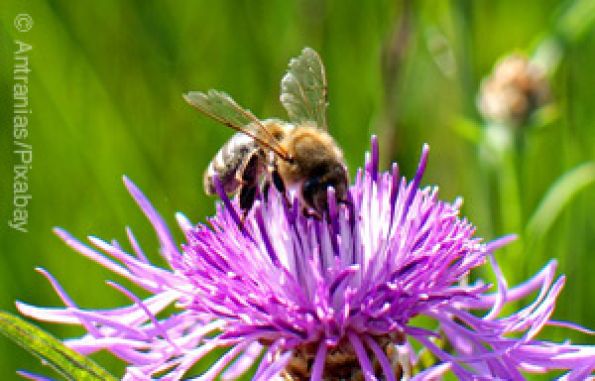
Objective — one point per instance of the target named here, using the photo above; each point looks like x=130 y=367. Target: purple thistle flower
x=299 y=298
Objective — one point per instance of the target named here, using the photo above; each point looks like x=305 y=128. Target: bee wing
x=304 y=89
x=222 y=108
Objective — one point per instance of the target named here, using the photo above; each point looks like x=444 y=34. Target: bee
x=299 y=155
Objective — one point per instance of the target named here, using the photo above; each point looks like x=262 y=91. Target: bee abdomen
x=226 y=163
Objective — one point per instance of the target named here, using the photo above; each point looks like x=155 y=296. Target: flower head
x=515 y=88
x=322 y=299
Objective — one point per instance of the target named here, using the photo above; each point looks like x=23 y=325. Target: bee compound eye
x=310 y=185
x=311 y=190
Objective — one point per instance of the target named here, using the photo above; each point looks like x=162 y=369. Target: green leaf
x=68 y=363
x=559 y=194
x=577 y=20
x=468 y=129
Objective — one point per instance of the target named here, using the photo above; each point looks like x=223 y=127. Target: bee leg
x=247 y=197
x=247 y=176
x=348 y=203
x=345 y=202
x=266 y=187
x=350 y=207
x=279 y=184
x=241 y=174
x=277 y=180
x=307 y=212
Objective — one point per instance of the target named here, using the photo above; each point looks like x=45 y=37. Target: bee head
x=314 y=188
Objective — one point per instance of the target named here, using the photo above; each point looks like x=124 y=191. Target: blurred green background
x=105 y=90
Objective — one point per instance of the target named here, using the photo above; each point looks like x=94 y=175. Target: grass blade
x=557 y=197
x=66 y=362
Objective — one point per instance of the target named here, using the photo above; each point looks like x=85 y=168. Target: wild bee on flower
x=284 y=297
x=297 y=155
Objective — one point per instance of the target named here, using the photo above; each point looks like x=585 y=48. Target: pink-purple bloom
x=286 y=288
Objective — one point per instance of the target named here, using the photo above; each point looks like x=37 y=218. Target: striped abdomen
x=228 y=161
